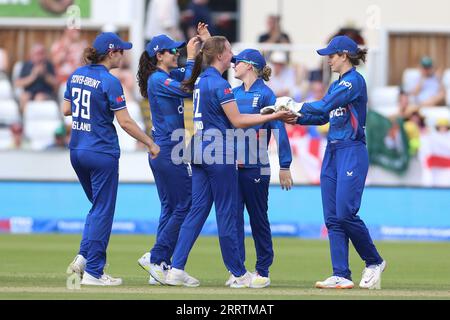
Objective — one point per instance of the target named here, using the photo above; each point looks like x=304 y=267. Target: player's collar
x=348 y=72
x=255 y=86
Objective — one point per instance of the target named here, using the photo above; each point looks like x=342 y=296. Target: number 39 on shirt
x=83 y=96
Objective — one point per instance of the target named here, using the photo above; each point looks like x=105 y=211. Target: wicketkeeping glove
x=284 y=104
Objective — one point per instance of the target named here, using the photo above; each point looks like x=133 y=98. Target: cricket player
x=93 y=97
x=345 y=165
x=160 y=82
x=254 y=176
x=215 y=112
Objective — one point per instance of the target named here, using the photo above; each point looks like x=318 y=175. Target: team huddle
x=187 y=189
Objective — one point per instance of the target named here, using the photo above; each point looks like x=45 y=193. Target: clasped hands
x=285 y=104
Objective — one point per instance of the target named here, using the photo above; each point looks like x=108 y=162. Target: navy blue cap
x=109 y=41
x=341 y=44
x=251 y=56
x=162 y=42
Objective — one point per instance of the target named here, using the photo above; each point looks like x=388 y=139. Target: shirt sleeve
x=340 y=95
x=284 y=147
x=114 y=92
x=182 y=74
x=171 y=88
x=313 y=119
x=224 y=93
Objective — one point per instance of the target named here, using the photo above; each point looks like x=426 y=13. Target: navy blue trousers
x=344 y=171
x=174 y=185
x=216 y=183
x=254 y=195
x=99 y=176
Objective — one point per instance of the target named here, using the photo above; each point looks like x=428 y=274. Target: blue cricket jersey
x=166 y=99
x=94 y=94
x=344 y=106
x=252 y=101
x=211 y=92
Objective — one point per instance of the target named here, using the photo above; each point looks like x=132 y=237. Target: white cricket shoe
x=230 y=280
x=144 y=263
x=259 y=281
x=105 y=280
x=177 y=277
x=153 y=282
x=77 y=265
x=371 y=277
x=243 y=281
x=159 y=272
x=335 y=282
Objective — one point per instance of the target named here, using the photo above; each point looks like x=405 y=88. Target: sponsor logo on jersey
x=255 y=100
x=339 y=112
x=228 y=91
x=120 y=99
x=346 y=84
x=167 y=82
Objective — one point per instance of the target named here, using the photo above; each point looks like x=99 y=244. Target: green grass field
x=33 y=267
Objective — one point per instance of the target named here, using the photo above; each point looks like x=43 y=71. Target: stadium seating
x=384 y=100
x=41 y=119
x=410 y=78
x=9 y=112
x=14 y=76
x=6 y=90
x=432 y=114
x=446 y=78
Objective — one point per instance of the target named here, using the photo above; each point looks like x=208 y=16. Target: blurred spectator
x=274 y=33
x=316 y=90
x=60 y=142
x=4 y=61
x=126 y=77
x=67 y=54
x=18 y=139
x=198 y=11
x=284 y=80
x=163 y=17
x=443 y=125
x=414 y=122
x=429 y=90
x=37 y=77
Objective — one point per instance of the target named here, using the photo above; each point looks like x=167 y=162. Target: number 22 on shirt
x=198 y=123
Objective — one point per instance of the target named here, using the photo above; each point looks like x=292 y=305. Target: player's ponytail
x=358 y=57
x=211 y=48
x=188 y=84
x=265 y=73
x=147 y=65
x=90 y=56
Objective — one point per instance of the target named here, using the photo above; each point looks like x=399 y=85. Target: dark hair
x=90 y=56
x=147 y=65
x=211 y=48
x=265 y=73
x=356 y=59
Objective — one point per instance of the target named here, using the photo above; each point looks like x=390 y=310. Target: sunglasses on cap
x=173 y=51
